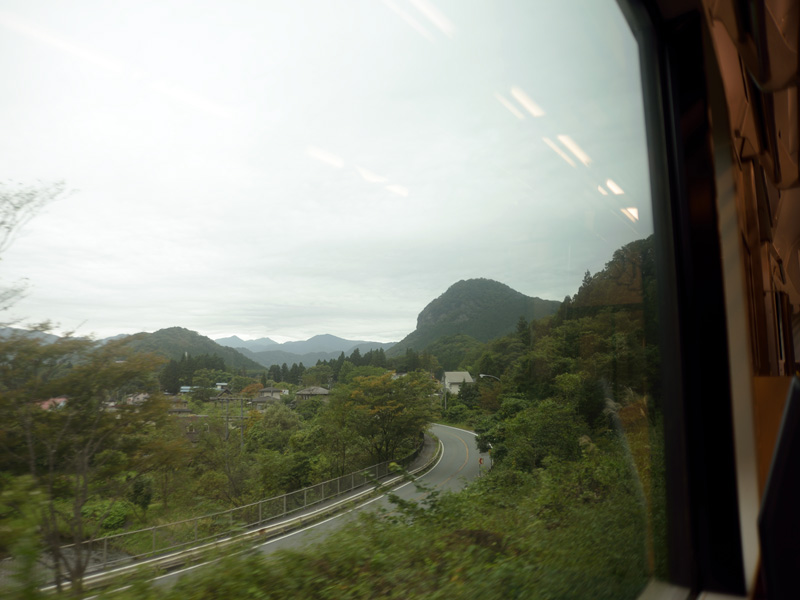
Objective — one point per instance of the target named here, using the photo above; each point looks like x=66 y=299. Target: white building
x=453 y=380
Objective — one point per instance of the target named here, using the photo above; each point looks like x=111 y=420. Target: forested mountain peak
x=465 y=299
x=175 y=342
x=481 y=308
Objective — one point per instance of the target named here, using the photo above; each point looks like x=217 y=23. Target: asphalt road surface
x=459 y=463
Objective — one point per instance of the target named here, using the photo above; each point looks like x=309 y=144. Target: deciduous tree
x=18 y=204
x=392 y=413
x=91 y=444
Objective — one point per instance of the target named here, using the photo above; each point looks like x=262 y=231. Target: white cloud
x=257 y=170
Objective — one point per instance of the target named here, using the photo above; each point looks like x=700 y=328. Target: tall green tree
x=317 y=375
x=93 y=444
x=356 y=358
x=271 y=429
x=391 y=413
x=170 y=378
x=274 y=373
x=340 y=443
x=222 y=465
x=524 y=331
x=337 y=366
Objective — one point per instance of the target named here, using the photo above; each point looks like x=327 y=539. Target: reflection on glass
x=526 y=102
x=294 y=169
x=575 y=149
x=615 y=189
x=559 y=151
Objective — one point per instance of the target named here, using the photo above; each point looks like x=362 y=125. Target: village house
x=179 y=406
x=312 y=392
x=261 y=402
x=453 y=380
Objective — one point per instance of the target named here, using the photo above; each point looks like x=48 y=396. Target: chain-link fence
x=123 y=548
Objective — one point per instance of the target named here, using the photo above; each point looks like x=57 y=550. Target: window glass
x=288 y=169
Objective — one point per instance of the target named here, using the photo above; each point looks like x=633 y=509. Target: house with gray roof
x=270 y=392
x=453 y=380
x=312 y=392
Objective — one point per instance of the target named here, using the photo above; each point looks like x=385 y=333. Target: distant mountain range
x=172 y=342
x=9 y=331
x=480 y=308
x=258 y=345
x=469 y=312
x=318 y=343
x=308 y=352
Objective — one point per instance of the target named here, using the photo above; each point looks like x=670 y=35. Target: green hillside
x=574 y=505
x=452 y=350
x=174 y=342
x=480 y=308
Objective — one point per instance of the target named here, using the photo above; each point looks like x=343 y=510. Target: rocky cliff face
x=481 y=308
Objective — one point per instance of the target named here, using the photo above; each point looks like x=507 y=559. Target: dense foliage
x=87 y=434
x=78 y=426
x=573 y=507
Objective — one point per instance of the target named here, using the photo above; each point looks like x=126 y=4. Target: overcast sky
x=286 y=169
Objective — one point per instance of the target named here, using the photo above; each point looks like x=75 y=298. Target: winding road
x=459 y=463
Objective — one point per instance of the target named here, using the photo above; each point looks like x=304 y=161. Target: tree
x=469 y=395
x=141 y=494
x=356 y=358
x=337 y=366
x=317 y=375
x=547 y=429
x=251 y=391
x=272 y=429
x=349 y=372
x=428 y=362
x=170 y=378
x=240 y=382
x=208 y=378
x=222 y=467
x=375 y=358
x=341 y=445
x=18 y=204
x=524 y=331
x=169 y=454
x=412 y=360
x=92 y=445
x=391 y=413
x=296 y=373
x=274 y=373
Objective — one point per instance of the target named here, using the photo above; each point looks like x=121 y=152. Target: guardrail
x=192 y=555
x=199 y=530
x=112 y=552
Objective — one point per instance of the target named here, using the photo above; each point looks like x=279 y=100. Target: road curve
x=459 y=463
x=460 y=460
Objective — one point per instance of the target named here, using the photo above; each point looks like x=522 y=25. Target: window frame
x=677 y=64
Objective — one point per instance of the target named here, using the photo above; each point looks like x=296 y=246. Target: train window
x=301 y=168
